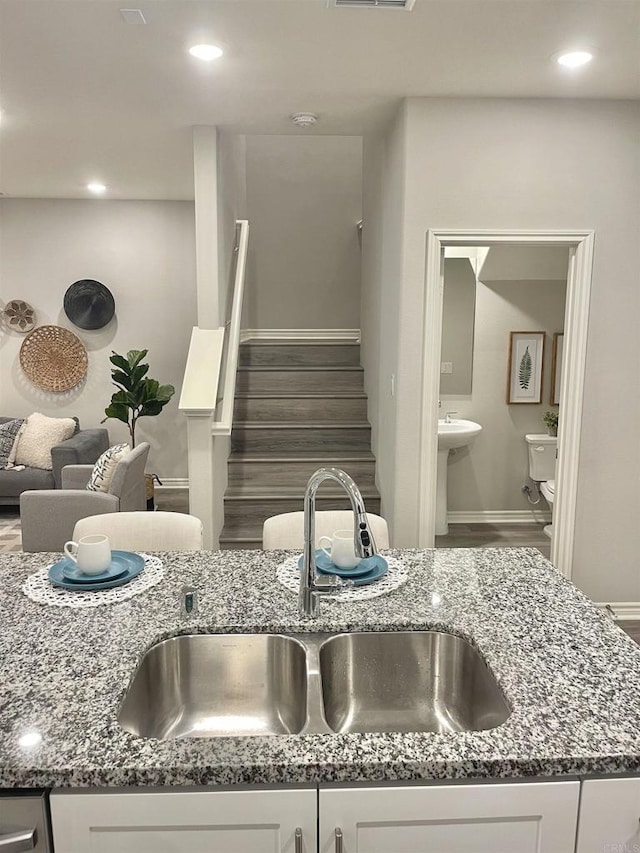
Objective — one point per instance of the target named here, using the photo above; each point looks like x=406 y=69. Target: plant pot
x=552 y=430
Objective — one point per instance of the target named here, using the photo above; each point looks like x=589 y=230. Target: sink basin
x=458 y=433
x=215 y=685
x=418 y=681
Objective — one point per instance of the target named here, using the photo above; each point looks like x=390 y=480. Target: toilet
x=542 y=467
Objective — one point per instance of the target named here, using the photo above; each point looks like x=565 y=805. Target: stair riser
x=299 y=381
x=244 y=518
x=294 y=474
x=325 y=440
x=314 y=410
x=291 y=355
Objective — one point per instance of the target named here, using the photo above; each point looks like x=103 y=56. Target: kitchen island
x=570 y=676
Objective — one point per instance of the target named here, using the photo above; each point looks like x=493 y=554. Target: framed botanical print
x=556 y=367
x=526 y=360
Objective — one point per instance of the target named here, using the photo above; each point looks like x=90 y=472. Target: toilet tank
x=542 y=456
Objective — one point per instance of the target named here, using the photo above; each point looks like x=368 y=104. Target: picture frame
x=526 y=363
x=556 y=367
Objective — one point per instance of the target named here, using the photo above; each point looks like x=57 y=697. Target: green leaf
x=165 y=393
x=119 y=361
x=121 y=378
x=151 y=388
x=138 y=373
x=525 y=370
x=135 y=356
x=118 y=411
x=151 y=407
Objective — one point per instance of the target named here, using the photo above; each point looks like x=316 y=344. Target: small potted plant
x=551 y=422
x=137 y=397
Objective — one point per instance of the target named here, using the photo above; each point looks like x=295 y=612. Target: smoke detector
x=304 y=119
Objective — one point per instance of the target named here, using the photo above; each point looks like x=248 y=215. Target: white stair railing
x=207 y=399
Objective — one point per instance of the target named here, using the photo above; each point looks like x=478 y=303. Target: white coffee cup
x=342 y=552
x=91 y=554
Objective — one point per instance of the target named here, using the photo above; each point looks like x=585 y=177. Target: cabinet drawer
x=184 y=821
x=488 y=818
x=609 y=816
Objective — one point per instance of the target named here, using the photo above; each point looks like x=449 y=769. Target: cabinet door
x=487 y=818
x=184 y=821
x=609 y=816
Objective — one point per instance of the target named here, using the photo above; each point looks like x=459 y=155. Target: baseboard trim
x=490 y=516
x=172 y=484
x=347 y=335
x=622 y=610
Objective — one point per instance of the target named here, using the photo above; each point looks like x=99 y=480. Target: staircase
x=298 y=407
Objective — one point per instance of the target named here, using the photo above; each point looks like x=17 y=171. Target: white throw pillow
x=102 y=473
x=38 y=435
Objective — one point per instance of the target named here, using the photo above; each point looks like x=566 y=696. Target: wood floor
x=496 y=536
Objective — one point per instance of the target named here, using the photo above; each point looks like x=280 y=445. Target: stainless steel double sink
x=221 y=685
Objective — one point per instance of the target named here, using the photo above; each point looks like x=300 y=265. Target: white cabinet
x=609 y=816
x=175 y=821
x=485 y=818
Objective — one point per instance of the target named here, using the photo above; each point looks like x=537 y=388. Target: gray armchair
x=48 y=516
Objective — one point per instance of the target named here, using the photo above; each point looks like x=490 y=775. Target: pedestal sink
x=451 y=434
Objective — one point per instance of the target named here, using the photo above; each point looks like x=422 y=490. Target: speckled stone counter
x=571 y=676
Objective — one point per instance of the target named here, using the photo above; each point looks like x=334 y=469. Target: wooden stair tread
x=319 y=395
x=311 y=456
x=300 y=425
x=296 y=342
x=297 y=368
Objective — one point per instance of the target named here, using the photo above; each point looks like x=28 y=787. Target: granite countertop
x=571 y=676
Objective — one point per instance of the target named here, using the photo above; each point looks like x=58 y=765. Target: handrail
x=222 y=424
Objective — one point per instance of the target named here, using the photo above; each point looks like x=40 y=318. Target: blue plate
x=326 y=567
x=133 y=564
x=71 y=572
x=367 y=571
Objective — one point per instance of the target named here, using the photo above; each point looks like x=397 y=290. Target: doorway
x=580 y=245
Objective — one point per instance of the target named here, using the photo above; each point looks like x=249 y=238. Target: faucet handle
x=327 y=584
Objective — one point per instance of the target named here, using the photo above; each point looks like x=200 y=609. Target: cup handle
x=328 y=539
x=68 y=546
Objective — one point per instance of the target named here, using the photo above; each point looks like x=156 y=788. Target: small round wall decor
x=89 y=304
x=53 y=358
x=19 y=316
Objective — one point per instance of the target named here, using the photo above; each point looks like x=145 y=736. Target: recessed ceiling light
x=96 y=187
x=574 y=58
x=206 y=52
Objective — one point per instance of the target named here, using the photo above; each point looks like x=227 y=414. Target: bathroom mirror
x=458 y=321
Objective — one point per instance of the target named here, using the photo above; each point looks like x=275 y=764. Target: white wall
x=383 y=212
x=304 y=198
x=489 y=474
x=144 y=253
x=232 y=205
x=542 y=165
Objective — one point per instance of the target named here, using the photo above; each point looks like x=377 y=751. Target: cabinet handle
x=338 y=835
x=298 y=840
x=18 y=840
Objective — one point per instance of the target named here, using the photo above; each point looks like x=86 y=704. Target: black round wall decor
x=89 y=304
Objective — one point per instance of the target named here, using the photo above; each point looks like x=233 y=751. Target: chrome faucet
x=447 y=417
x=312 y=586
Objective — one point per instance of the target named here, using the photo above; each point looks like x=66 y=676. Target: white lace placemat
x=288 y=574
x=39 y=588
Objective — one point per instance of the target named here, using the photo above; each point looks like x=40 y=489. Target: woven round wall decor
x=19 y=316
x=53 y=358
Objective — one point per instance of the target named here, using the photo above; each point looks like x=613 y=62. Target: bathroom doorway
x=489 y=293
x=580 y=247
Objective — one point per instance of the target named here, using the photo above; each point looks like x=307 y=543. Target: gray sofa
x=83 y=448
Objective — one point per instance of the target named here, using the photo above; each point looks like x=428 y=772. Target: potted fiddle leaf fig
x=551 y=422
x=137 y=396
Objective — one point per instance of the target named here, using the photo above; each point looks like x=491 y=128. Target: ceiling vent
x=406 y=5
